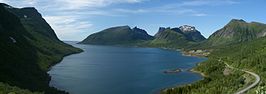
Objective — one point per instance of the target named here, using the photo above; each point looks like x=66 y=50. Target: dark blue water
x=121 y=70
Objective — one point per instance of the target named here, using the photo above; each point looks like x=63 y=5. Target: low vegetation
x=247 y=55
x=7 y=89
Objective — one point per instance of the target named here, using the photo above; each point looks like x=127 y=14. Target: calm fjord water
x=121 y=70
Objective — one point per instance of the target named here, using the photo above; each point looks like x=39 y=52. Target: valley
x=124 y=58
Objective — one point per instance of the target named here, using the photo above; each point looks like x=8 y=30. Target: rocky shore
x=172 y=71
x=199 y=53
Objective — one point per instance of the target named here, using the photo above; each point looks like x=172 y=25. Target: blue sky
x=76 y=19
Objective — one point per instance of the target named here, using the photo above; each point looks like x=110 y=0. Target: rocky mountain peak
x=161 y=29
x=188 y=32
x=136 y=29
x=5 y=5
x=234 y=22
x=187 y=28
x=237 y=20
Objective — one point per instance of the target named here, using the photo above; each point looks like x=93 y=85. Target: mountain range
x=165 y=37
x=236 y=31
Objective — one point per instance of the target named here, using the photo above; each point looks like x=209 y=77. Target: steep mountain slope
x=28 y=48
x=33 y=21
x=118 y=36
x=237 y=31
x=181 y=37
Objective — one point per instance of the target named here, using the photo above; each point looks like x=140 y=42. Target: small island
x=172 y=71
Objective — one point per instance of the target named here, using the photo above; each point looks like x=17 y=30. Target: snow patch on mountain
x=187 y=28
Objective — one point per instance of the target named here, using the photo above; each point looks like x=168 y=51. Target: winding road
x=250 y=86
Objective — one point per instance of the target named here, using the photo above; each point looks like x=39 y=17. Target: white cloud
x=207 y=2
x=20 y=3
x=135 y=11
x=199 y=14
x=2 y=1
x=163 y=11
x=31 y=2
x=186 y=7
x=68 y=26
x=79 y=4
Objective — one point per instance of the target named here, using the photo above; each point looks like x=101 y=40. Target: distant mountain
x=177 y=37
x=118 y=36
x=29 y=47
x=237 y=31
x=191 y=33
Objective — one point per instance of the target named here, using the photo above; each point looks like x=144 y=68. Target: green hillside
x=7 y=89
x=169 y=39
x=182 y=37
x=248 y=53
x=120 y=35
x=236 y=31
x=29 y=47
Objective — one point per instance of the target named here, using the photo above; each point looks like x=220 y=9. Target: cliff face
x=29 y=47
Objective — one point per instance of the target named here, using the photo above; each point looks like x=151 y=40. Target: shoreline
x=191 y=55
x=195 y=71
x=197 y=53
x=172 y=71
x=190 y=70
x=184 y=53
x=175 y=86
x=58 y=62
